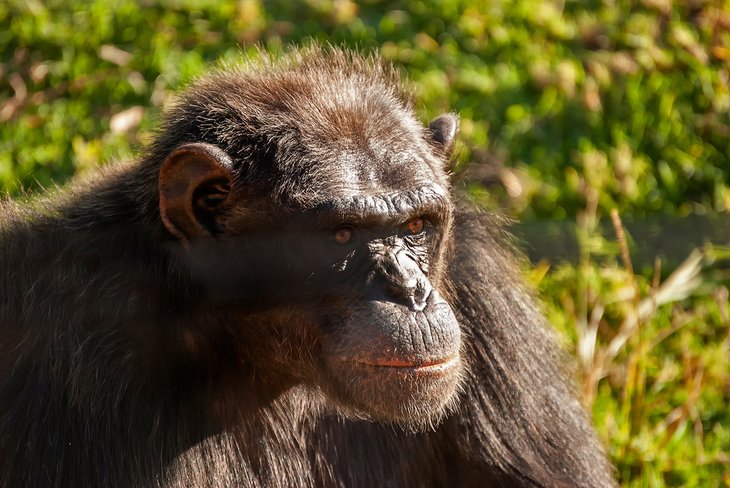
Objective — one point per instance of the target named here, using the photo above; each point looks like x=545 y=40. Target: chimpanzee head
x=312 y=196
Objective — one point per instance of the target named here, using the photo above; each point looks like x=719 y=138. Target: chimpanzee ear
x=443 y=131
x=194 y=183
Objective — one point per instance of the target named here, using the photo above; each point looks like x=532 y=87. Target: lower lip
x=432 y=367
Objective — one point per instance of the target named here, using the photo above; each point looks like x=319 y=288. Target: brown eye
x=415 y=226
x=343 y=235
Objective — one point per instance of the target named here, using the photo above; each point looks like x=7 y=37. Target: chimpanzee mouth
x=408 y=391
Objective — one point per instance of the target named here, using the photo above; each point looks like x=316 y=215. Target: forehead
x=377 y=169
x=380 y=168
x=363 y=155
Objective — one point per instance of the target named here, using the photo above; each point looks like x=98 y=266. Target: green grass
x=569 y=109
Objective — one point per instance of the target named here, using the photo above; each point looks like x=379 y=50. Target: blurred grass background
x=580 y=112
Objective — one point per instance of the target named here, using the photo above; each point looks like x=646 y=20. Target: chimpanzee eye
x=415 y=225
x=343 y=235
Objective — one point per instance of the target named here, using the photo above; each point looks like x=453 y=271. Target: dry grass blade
x=678 y=286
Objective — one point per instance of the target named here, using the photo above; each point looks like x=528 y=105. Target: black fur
x=120 y=367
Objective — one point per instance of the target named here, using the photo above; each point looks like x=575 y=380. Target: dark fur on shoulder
x=120 y=364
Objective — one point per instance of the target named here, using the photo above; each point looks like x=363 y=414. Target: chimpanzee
x=282 y=292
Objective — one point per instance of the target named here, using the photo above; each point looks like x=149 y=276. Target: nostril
x=420 y=295
x=400 y=291
x=415 y=296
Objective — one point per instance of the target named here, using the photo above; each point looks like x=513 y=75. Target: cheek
x=286 y=340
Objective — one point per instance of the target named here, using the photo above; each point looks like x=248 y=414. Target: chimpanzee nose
x=404 y=280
